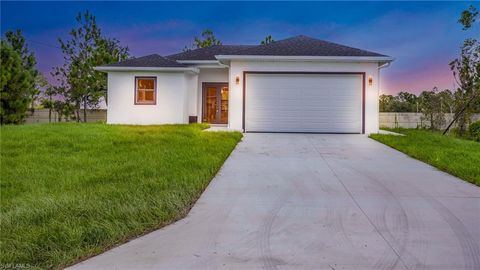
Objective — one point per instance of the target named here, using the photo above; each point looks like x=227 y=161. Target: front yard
x=456 y=156
x=70 y=191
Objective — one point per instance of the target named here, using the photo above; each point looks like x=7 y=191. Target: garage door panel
x=303 y=103
x=314 y=113
x=265 y=100
x=302 y=116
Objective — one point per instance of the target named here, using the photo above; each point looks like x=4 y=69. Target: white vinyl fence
x=412 y=120
x=41 y=116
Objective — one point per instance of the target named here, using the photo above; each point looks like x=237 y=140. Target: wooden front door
x=215 y=103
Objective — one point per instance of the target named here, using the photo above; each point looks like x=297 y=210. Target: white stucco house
x=300 y=84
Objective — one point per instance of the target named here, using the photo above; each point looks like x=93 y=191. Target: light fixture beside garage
x=370 y=81
x=237 y=79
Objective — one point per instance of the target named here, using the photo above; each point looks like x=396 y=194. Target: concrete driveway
x=309 y=201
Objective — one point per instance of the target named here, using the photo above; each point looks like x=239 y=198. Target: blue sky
x=423 y=36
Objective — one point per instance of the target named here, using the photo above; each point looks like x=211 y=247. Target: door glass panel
x=224 y=105
x=211 y=106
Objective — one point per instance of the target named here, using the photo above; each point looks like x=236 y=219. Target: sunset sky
x=423 y=36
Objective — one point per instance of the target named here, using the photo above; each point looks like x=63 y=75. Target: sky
x=423 y=37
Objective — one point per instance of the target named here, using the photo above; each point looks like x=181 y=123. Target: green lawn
x=70 y=191
x=456 y=156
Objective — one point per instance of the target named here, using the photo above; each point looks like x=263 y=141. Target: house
x=300 y=84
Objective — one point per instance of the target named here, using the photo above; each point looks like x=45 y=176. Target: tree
x=63 y=109
x=15 y=82
x=447 y=99
x=268 y=39
x=207 y=39
x=16 y=42
x=86 y=49
x=430 y=104
x=386 y=103
x=41 y=84
x=403 y=102
x=408 y=100
x=466 y=71
x=48 y=92
x=468 y=17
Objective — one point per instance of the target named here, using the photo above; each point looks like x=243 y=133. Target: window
x=145 y=90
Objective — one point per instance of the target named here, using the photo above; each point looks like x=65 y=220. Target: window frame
x=154 y=102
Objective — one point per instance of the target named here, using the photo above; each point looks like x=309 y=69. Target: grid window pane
x=141 y=95
x=148 y=95
x=145 y=90
x=146 y=83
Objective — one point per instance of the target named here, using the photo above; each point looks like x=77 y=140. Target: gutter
x=204 y=63
x=384 y=65
x=198 y=62
x=164 y=69
x=375 y=59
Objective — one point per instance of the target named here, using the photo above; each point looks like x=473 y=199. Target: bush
x=474 y=131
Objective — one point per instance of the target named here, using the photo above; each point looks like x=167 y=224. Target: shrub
x=474 y=131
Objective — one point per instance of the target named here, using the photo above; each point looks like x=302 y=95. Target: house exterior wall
x=192 y=94
x=235 y=116
x=208 y=75
x=179 y=94
x=171 y=99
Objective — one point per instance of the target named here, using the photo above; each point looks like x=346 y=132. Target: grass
x=70 y=191
x=455 y=156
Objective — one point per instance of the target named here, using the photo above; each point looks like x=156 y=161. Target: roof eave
x=164 y=69
x=198 y=62
x=203 y=63
x=374 y=59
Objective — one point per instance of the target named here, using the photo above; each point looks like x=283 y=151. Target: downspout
x=384 y=65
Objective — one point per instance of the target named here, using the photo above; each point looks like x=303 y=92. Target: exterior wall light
x=370 y=80
x=237 y=80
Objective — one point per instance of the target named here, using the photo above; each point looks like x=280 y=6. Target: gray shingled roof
x=153 y=60
x=295 y=46
x=305 y=46
x=209 y=52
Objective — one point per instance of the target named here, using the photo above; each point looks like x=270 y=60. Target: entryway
x=215 y=103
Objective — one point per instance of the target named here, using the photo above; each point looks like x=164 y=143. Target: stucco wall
x=208 y=75
x=192 y=93
x=236 y=91
x=179 y=95
x=172 y=99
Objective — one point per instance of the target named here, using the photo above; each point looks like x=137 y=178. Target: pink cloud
x=416 y=80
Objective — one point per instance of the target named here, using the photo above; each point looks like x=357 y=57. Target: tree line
x=433 y=104
x=76 y=84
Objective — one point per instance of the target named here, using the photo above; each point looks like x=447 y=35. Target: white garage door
x=330 y=103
